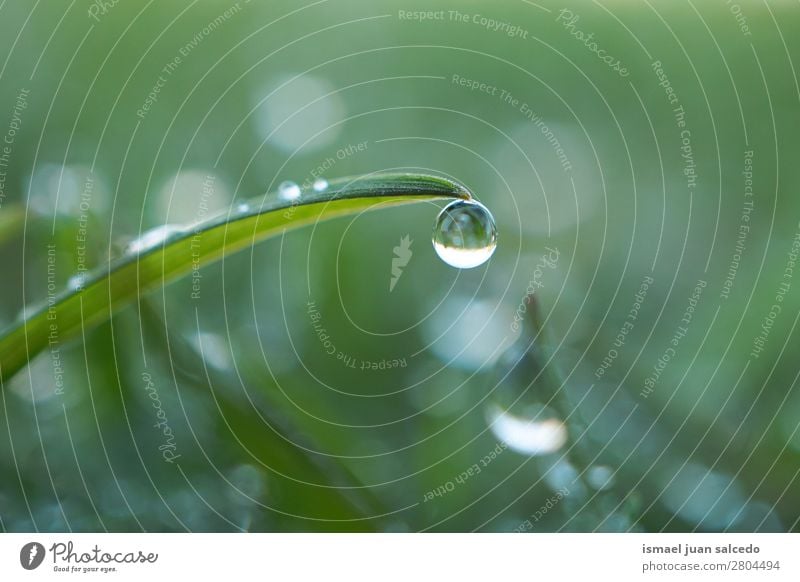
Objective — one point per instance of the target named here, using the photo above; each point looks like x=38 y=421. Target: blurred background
x=639 y=159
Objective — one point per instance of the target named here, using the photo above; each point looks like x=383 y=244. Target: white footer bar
x=388 y=557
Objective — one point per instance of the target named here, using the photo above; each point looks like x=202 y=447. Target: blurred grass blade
x=125 y=278
x=323 y=490
x=11 y=220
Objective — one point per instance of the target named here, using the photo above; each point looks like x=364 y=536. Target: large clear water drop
x=465 y=235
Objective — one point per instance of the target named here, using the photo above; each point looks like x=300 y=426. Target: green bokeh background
x=273 y=433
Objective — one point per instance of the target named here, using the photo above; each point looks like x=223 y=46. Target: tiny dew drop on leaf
x=153 y=238
x=465 y=235
x=320 y=185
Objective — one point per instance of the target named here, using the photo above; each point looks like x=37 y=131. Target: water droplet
x=152 y=238
x=534 y=434
x=36 y=383
x=76 y=281
x=242 y=207
x=247 y=482
x=561 y=475
x=289 y=190
x=600 y=477
x=320 y=185
x=465 y=235
x=465 y=332
x=29 y=309
x=213 y=349
x=522 y=380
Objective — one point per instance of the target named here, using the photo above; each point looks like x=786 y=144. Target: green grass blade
x=127 y=277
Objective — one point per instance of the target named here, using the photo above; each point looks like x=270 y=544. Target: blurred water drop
x=299 y=112
x=465 y=235
x=466 y=333
x=29 y=309
x=600 y=477
x=152 y=238
x=534 y=434
x=320 y=185
x=67 y=190
x=213 y=349
x=37 y=382
x=242 y=207
x=190 y=197
x=524 y=407
x=288 y=190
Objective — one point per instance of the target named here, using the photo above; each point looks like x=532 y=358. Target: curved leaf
x=184 y=250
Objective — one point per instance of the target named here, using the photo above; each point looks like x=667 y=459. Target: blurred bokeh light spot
x=527 y=436
x=294 y=94
x=469 y=333
x=191 y=196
